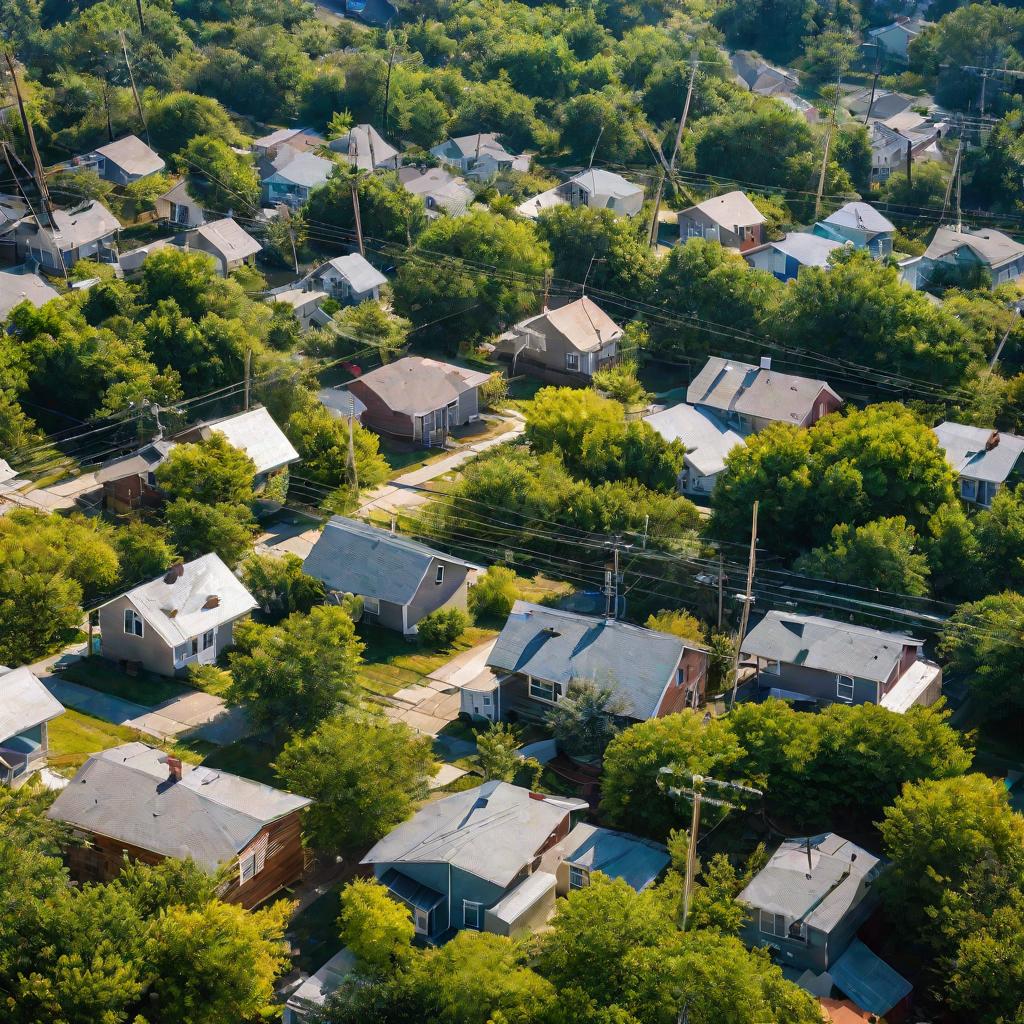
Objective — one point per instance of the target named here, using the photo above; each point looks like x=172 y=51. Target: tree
x=375 y=927
x=211 y=471
x=280 y=586
x=585 y=720
x=386 y=209
x=621 y=383
x=197 y=529
x=679 y=623
x=497 y=752
x=295 y=675
x=775 y=29
x=559 y=418
x=174 y=119
x=442 y=627
x=606 y=124
x=495 y=592
x=363 y=776
x=143 y=552
x=953 y=552
x=370 y=324
x=1000 y=532
x=926 y=188
x=223 y=178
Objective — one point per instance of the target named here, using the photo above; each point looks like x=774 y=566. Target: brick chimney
x=212 y=601
x=993 y=441
x=175 y=572
x=173 y=767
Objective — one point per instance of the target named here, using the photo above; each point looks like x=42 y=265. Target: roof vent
x=212 y=601
x=169 y=612
x=176 y=571
x=550 y=631
x=993 y=441
x=766 y=362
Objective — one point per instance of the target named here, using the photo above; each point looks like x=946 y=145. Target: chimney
x=212 y=601
x=766 y=362
x=175 y=572
x=993 y=441
x=173 y=767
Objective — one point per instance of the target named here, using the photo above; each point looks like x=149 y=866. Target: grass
x=145 y=688
x=249 y=758
x=314 y=932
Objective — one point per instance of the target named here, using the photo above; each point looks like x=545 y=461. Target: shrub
x=495 y=592
x=442 y=628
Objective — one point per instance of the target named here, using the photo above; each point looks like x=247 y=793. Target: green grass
x=249 y=758
x=145 y=688
x=314 y=932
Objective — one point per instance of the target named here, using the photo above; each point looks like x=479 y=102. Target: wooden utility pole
x=657 y=211
x=131 y=81
x=354 y=185
x=37 y=164
x=142 y=20
x=248 y=373
x=874 y=80
x=828 y=150
x=953 y=174
x=721 y=590
x=685 y=114
x=593 y=152
x=352 y=445
x=387 y=89
x=748 y=598
x=910 y=162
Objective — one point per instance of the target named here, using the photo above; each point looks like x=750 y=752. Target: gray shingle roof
x=807 y=249
x=731 y=210
x=968 y=453
x=615 y=854
x=365 y=147
x=817 y=643
x=360 y=273
x=414 y=385
x=491 y=831
x=18 y=288
x=211 y=816
x=354 y=557
x=582 y=323
x=597 y=181
x=863 y=217
x=87 y=223
x=991 y=247
x=229 y=238
x=24 y=702
x=560 y=646
x=707 y=441
x=820 y=892
x=298 y=166
x=132 y=155
x=145 y=460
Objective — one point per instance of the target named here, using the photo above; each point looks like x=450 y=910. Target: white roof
x=275 y=138
x=991 y=247
x=229 y=238
x=706 y=439
x=256 y=434
x=731 y=210
x=606 y=183
x=24 y=702
x=863 y=217
x=807 y=249
x=536 y=205
x=132 y=155
x=299 y=166
x=912 y=686
x=18 y=288
x=365 y=147
x=88 y=223
x=526 y=894
x=362 y=275
x=178 y=606
x=979 y=453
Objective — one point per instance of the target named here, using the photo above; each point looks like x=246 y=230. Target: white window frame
x=544 y=686
x=840 y=683
x=371 y=605
x=579 y=878
x=439 y=576
x=138 y=623
x=421 y=921
x=477 y=909
x=775 y=921
x=572 y=361
x=209 y=639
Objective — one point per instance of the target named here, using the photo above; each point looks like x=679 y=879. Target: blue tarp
x=868 y=980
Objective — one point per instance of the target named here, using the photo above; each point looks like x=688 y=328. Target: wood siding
x=694 y=663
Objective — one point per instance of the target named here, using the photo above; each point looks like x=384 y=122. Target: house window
x=439 y=575
x=572 y=361
x=371 y=605
x=471 y=914
x=798 y=931
x=422 y=925
x=208 y=638
x=487 y=702
x=771 y=924
x=844 y=687
x=578 y=877
x=253 y=864
x=681 y=674
x=542 y=690
x=968 y=489
x=773 y=668
x=133 y=623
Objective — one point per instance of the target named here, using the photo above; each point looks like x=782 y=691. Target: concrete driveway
x=196 y=716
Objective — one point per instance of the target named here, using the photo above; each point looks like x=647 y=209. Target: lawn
x=102 y=675
x=249 y=758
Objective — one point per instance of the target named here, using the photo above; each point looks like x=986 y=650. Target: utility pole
x=354 y=184
x=612 y=578
x=248 y=371
x=37 y=164
x=910 y=162
x=747 y=601
x=874 y=80
x=953 y=174
x=593 y=152
x=1002 y=341
x=657 y=210
x=721 y=590
x=352 y=445
x=686 y=112
x=142 y=20
x=387 y=88
x=131 y=81
x=828 y=149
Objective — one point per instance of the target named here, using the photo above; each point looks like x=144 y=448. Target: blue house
x=958 y=253
x=26 y=707
x=787 y=257
x=862 y=225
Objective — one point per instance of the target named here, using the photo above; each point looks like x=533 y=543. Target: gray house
x=347 y=279
x=809 y=900
x=398 y=579
x=183 y=618
x=730 y=219
x=861 y=224
x=88 y=231
x=955 y=252
x=289 y=175
x=178 y=208
x=441 y=191
x=479 y=156
x=806 y=657
x=983 y=460
x=226 y=241
x=18 y=288
x=364 y=147
x=123 y=161
x=26 y=706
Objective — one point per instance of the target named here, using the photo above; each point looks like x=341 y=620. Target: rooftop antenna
x=593 y=152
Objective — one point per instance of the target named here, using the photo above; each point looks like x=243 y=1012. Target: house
x=311 y=994
x=399 y=580
x=809 y=112
x=750 y=397
x=227 y=241
x=132 y=262
x=862 y=225
x=347 y=279
x=440 y=191
x=364 y=147
x=569 y=343
x=883 y=104
x=894 y=40
x=807 y=657
x=479 y=156
x=707 y=440
x=88 y=231
x=255 y=433
x=472 y=860
x=984 y=460
x=600 y=189
x=731 y=219
x=178 y=208
x=304 y=303
x=420 y=400
x=123 y=161
x=289 y=175
x=541 y=651
x=761 y=77
x=788 y=256
x=809 y=900
x=16 y=288
x=129 y=482
x=298 y=139
x=182 y=618
x=961 y=252
x=902 y=139
x=26 y=706
x=136 y=801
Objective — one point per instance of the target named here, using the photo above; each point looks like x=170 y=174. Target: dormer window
x=439 y=575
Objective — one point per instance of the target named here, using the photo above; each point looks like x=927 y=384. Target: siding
x=379 y=416
x=453 y=592
x=695 y=663
x=815 y=684
x=149 y=650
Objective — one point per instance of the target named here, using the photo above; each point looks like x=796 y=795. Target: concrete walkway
x=92 y=702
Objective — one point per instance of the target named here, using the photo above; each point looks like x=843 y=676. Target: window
x=133 y=623
x=798 y=931
x=572 y=361
x=254 y=861
x=844 y=687
x=542 y=690
x=578 y=877
x=439 y=575
x=968 y=489
x=471 y=914
x=487 y=702
x=208 y=638
x=681 y=674
x=193 y=646
x=771 y=924
x=422 y=925
x=773 y=668
x=371 y=605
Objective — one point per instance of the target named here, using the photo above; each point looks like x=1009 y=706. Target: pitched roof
x=706 y=439
x=605 y=183
x=362 y=275
x=885 y=104
x=730 y=211
x=827 y=646
x=484 y=143
x=124 y=793
x=491 y=831
x=990 y=246
x=968 y=451
x=912 y=26
x=18 y=288
x=583 y=324
x=177 y=605
x=561 y=647
x=365 y=147
x=863 y=217
x=807 y=249
x=817 y=880
x=298 y=166
x=288 y=136
x=353 y=557
x=255 y=433
x=229 y=238
x=87 y=223
x=24 y=702
x=132 y=155
x=145 y=460
x=749 y=390
x=616 y=854
x=179 y=193
x=414 y=385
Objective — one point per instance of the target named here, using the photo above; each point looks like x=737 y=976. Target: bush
x=495 y=592
x=442 y=628
x=494 y=391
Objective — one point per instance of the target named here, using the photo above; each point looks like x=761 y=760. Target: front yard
x=145 y=688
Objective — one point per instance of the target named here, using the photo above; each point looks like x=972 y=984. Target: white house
x=289 y=175
x=364 y=147
x=480 y=156
x=894 y=40
x=348 y=279
x=707 y=441
x=596 y=188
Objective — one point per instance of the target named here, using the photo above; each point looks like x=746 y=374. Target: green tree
x=375 y=927
x=211 y=471
x=293 y=676
x=606 y=124
x=620 y=382
x=442 y=627
x=953 y=552
x=926 y=188
x=197 y=529
x=143 y=552
x=386 y=209
x=586 y=719
x=1000 y=532
x=363 y=777
x=497 y=752
x=223 y=178
x=495 y=592
x=679 y=623
x=174 y=119
x=370 y=323
x=280 y=586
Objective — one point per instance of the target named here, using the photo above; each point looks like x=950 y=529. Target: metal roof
x=492 y=831
x=178 y=606
x=357 y=558
x=18 y=288
x=605 y=183
x=358 y=271
x=636 y=861
x=415 y=385
x=991 y=247
x=132 y=155
x=968 y=452
x=229 y=238
x=862 y=217
x=125 y=793
x=807 y=249
x=817 y=880
x=24 y=702
x=529 y=891
x=484 y=143
x=817 y=643
x=145 y=460
x=706 y=439
x=561 y=647
x=255 y=433
x=868 y=980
